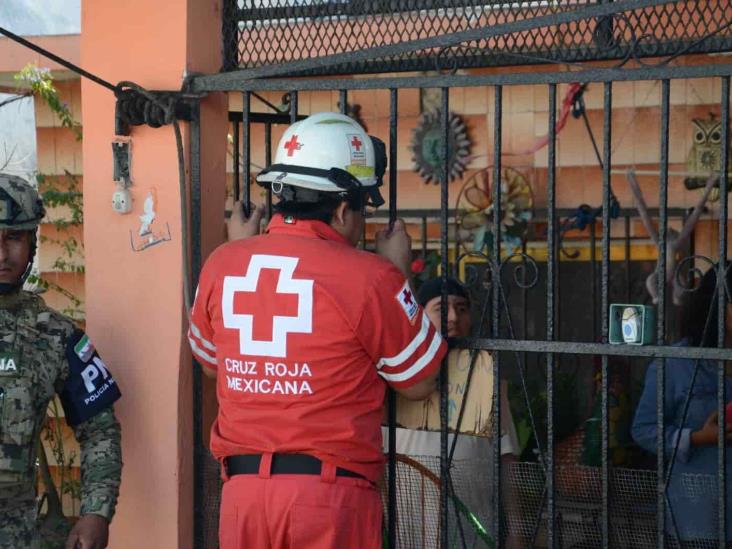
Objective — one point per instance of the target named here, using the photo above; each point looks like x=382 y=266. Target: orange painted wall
x=14 y=57
x=135 y=313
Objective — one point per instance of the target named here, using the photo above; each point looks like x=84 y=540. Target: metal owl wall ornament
x=705 y=155
x=427 y=147
x=674 y=240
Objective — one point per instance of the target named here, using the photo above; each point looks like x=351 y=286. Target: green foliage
x=62 y=195
x=40 y=81
x=425 y=268
x=75 y=309
x=68 y=195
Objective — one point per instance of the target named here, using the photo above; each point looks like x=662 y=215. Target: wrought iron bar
x=496 y=302
x=263 y=117
x=268 y=163
x=228 y=81
x=236 y=159
x=443 y=383
x=626 y=256
x=343 y=101
x=605 y=306
x=391 y=403
x=539 y=213
x=661 y=320
x=593 y=276
x=293 y=105
x=524 y=305
x=393 y=120
x=247 y=155
x=539 y=346
x=722 y=300
x=550 y=314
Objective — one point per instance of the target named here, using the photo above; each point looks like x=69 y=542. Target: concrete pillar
x=135 y=312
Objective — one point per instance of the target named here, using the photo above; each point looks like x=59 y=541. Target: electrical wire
x=14 y=98
x=61 y=61
x=169 y=109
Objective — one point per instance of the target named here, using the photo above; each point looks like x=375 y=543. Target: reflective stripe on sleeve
x=200 y=353
x=196 y=332
x=409 y=350
x=419 y=365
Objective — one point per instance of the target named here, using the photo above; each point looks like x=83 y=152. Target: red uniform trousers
x=299 y=512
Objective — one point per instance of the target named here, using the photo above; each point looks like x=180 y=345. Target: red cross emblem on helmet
x=292 y=145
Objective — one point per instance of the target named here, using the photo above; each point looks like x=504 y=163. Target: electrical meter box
x=632 y=324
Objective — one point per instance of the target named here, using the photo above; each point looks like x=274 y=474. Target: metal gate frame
x=270 y=78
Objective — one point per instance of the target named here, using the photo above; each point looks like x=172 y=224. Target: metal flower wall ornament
x=427 y=147
x=475 y=210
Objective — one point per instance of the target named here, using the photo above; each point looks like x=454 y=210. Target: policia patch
x=90 y=388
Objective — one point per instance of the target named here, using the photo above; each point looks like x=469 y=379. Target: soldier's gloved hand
x=239 y=225
x=89 y=532
x=396 y=246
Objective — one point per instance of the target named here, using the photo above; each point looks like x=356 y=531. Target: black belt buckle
x=282 y=464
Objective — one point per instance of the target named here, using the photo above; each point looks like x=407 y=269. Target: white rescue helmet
x=327 y=152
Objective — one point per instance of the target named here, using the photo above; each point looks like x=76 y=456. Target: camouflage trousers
x=18 y=527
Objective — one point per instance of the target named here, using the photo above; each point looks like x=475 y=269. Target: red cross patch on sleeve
x=406 y=299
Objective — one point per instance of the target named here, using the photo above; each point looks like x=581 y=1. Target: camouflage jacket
x=43 y=353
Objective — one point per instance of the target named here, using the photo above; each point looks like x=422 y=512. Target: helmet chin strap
x=11 y=287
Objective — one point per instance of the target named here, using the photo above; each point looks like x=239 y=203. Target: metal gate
x=281 y=45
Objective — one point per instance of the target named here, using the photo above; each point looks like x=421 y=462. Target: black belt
x=282 y=464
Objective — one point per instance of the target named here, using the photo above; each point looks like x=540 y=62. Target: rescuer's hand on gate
x=89 y=532
x=707 y=435
x=396 y=246
x=239 y=225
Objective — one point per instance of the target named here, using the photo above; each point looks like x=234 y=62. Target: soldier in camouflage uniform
x=43 y=353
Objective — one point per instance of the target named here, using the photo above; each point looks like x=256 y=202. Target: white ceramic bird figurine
x=148 y=215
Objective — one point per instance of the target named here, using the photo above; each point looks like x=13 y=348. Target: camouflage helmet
x=21 y=207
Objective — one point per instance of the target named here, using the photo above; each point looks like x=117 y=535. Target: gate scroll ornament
x=675 y=241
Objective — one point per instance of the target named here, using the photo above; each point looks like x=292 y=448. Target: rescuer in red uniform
x=303 y=332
